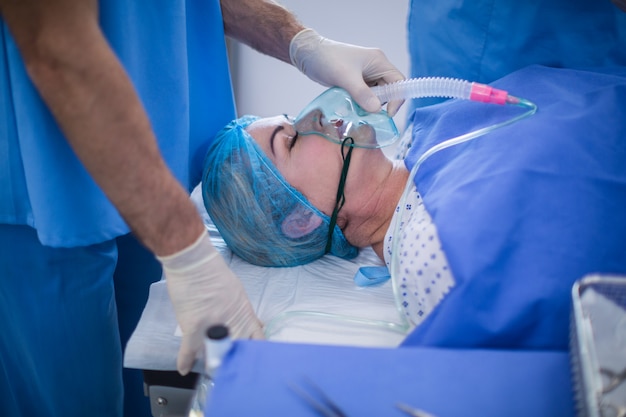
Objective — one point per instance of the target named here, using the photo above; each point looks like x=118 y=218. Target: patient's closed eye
x=293 y=141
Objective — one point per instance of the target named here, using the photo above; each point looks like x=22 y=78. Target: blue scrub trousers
x=65 y=321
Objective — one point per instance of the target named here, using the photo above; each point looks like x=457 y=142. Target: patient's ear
x=300 y=222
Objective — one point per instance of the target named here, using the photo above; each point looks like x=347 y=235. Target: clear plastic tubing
x=442 y=87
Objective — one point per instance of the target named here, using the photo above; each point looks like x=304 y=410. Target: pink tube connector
x=487 y=94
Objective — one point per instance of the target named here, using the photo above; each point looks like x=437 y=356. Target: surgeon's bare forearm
x=96 y=106
x=262 y=24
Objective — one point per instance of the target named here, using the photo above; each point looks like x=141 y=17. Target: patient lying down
x=511 y=214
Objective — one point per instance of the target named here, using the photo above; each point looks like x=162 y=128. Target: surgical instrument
x=615 y=379
x=315 y=397
x=413 y=412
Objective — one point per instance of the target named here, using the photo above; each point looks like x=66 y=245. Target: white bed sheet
x=279 y=296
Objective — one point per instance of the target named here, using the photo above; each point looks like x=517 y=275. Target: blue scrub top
x=484 y=40
x=175 y=54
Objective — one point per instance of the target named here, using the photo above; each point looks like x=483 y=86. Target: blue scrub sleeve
x=175 y=55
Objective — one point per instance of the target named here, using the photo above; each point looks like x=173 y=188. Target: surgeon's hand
x=204 y=291
x=348 y=66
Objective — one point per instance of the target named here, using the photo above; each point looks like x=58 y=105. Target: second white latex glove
x=204 y=291
x=354 y=68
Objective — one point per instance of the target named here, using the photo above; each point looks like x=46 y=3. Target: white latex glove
x=204 y=291
x=351 y=67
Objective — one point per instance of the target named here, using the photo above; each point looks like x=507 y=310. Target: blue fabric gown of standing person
x=484 y=40
x=70 y=272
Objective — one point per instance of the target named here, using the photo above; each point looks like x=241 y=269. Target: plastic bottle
x=217 y=343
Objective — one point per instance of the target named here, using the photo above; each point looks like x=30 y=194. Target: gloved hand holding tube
x=204 y=291
x=351 y=67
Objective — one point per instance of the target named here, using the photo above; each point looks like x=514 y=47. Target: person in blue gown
x=484 y=40
x=106 y=111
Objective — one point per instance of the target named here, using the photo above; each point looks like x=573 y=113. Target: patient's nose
x=337 y=122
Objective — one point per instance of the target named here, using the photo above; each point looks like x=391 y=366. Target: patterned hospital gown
x=423 y=276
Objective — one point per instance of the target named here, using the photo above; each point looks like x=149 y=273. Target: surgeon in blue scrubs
x=106 y=111
x=484 y=40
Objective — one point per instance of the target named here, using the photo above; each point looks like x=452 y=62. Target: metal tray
x=598 y=345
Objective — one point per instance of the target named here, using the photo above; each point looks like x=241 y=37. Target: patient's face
x=310 y=163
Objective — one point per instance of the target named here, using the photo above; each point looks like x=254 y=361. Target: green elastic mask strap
x=341 y=198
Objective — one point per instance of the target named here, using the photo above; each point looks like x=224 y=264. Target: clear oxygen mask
x=336 y=116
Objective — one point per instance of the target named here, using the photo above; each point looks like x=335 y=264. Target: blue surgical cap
x=260 y=216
